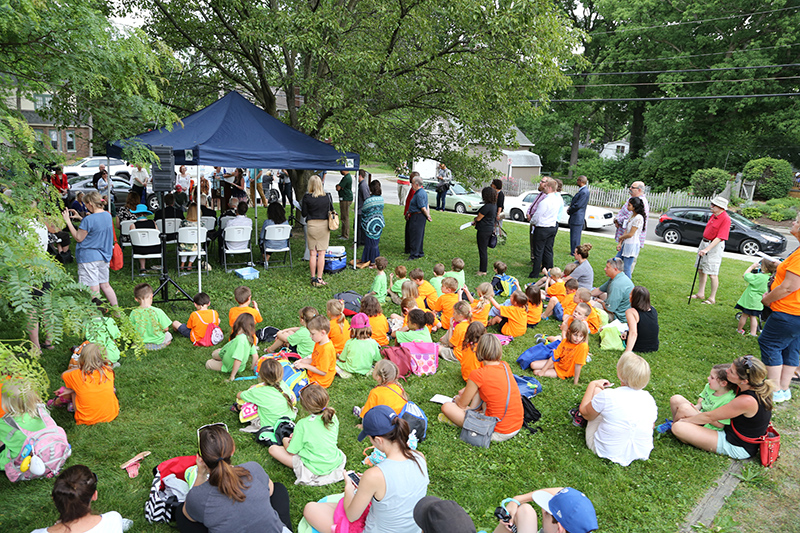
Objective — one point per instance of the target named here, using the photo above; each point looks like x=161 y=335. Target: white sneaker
x=787 y=395
x=778 y=396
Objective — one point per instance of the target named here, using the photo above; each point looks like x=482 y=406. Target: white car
x=596 y=217
x=88 y=167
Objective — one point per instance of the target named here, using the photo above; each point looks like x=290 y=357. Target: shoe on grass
x=444 y=420
x=665 y=427
x=778 y=396
x=577 y=418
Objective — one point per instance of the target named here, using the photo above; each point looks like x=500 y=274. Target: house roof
x=34 y=118
x=521 y=139
x=523 y=158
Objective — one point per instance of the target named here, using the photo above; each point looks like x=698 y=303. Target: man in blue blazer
x=577 y=213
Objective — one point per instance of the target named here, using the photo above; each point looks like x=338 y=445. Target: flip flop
x=132 y=466
x=708 y=302
x=696 y=297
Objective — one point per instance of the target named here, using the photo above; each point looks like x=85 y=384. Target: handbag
x=117 y=260
x=769 y=444
x=333 y=217
x=424 y=357
x=478 y=428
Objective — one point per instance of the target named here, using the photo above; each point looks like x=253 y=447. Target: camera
x=502 y=515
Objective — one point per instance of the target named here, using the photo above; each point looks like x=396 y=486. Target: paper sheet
x=465 y=225
x=441 y=398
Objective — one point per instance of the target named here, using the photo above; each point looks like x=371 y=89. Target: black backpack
x=531 y=415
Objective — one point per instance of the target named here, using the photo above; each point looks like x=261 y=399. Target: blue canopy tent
x=233 y=132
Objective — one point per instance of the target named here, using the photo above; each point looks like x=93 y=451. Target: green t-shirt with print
x=358 y=356
x=709 y=402
x=317 y=445
x=151 y=323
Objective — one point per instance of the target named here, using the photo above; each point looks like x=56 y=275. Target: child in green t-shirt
x=380 y=286
x=297 y=339
x=361 y=351
x=750 y=302
x=417 y=329
x=438 y=276
x=458 y=271
x=273 y=398
x=230 y=357
x=103 y=330
x=396 y=283
x=150 y=322
x=717 y=392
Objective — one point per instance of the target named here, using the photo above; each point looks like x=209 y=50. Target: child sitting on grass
x=503 y=284
x=400 y=321
x=103 y=331
x=297 y=339
x=312 y=451
x=195 y=328
x=411 y=290
x=150 y=322
x=444 y=304
x=234 y=354
x=438 y=276
x=90 y=387
x=340 y=329
x=584 y=296
x=457 y=271
x=321 y=366
x=561 y=304
x=426 y=290
x=534 y=297
x=750 y=302
x=512 y=319
x=377 y=320
x=396 y=284
x=388 y=392
x=716 y=393
x=417 y=329
x=452 y=341
x=569 y=357
x=20 y=401
x=465 y=349
x=380 y=285
x=481 y=306
x=244 y=297
x=361 y=351
x=273 y=398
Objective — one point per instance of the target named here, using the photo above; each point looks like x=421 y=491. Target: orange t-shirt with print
x=390 y=394
x=517 y=323
x=199 y=321
x=380 y=329
x=340 y=334
x=557 y=290
x=428 y=292
x=567 y=355
x=481 y=316
x=324 y=358
x=789 y=304
x=445 y=304
x=95 y=400
x=234 y=313
x=534 y=314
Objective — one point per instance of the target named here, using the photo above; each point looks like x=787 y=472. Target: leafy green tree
x=773 y=177
x=709 y=181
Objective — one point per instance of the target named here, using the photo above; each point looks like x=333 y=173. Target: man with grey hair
x=621 y=220
x=544 y=221
x=577 y=213
x=614 y=296
x=417 y=216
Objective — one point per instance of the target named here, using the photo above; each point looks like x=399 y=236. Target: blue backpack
x=504 y=285
x=537 y=352
x=415 y=416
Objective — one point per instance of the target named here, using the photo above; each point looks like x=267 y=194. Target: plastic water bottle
x=412 y=440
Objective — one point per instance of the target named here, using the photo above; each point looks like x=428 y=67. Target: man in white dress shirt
x=544 y=221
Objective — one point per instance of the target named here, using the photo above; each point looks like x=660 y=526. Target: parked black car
x=686 y=224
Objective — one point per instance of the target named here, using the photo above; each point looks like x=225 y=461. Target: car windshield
x=458 y=189
x=741 y=220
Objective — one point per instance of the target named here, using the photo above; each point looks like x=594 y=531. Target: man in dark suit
x=169 y=211
x=577 y=213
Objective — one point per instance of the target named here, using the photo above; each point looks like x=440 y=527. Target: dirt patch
x=764 y=221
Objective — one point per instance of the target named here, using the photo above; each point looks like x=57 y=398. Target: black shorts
x=748 y=312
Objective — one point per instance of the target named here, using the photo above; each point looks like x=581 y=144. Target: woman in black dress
x=484 y=223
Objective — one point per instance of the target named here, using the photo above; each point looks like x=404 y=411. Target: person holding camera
x=564 y=509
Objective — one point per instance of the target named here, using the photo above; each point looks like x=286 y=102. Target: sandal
x=708 y=301
x=315 y=282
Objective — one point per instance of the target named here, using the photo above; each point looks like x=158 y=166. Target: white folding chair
x=208 y=222
x=223 y=222
x=144 y=237
x=189 y=236
x=278 y=232
x=125 y=231
x=236 y=240
x=170 y=227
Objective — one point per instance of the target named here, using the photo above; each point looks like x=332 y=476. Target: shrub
x=709 y=181
x=750 y=212
x=773 y=177
x=779 y=215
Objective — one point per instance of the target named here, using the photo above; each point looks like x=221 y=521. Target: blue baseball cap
x=377 y=421
x=570 y=507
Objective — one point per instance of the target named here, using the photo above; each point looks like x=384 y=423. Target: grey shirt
x=584 y=275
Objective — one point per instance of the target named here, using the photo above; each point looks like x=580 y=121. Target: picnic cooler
x=335 y=259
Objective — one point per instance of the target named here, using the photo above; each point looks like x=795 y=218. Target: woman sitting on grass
x=749 y=412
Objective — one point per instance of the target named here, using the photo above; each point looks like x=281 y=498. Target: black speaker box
x=163 y=170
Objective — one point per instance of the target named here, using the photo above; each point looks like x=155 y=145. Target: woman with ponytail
x=390 y=490
x=227 y=498
x=73 y=493
x=749 y=412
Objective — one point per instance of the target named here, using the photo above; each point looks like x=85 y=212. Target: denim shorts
x=780 y=340
x=726 y=448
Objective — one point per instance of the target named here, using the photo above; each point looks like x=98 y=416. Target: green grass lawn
x=165 y=395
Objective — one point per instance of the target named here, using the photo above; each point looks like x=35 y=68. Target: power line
x=683 y=22
x=665 y=98
x=646 y=60
x=682 y=70
x=684 y=82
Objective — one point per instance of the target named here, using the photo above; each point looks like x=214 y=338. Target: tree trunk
x=573 y=156
x=637 y=130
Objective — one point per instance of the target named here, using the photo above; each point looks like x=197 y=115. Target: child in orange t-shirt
x=244 y=298
x=481 y=304
x=195 y=327
x=569 y=357
x=377 y=320
x=91 y=387
x=410 y=289
x=513 y=319
x=534 y=296
x=321 y=366
x=462 y=316
x=592 y=319
x=558 y=306
x=340 y=328
x=388 y=392
x=447 y=300
x=465 y=351
x=426 y=290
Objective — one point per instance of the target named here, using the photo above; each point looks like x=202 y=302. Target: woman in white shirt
x=629 y=242
x=621 y=420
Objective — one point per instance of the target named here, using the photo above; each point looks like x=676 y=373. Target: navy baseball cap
x=377 y=421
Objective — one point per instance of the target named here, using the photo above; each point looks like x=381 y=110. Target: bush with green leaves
x=784 y=213
x=773 y=177
x=751 y=212
x=709 y=181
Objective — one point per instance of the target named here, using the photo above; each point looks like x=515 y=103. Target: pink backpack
x=49 y=445
x=213 y=334
x=424 y=357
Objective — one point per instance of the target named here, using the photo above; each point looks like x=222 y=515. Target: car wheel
x=460 y=208
x=152 y=202
x=517 y=215
x=124 y=175
x=750 y=247
x=672 y=236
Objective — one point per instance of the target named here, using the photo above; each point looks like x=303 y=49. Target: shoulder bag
x=769 y=445
x=478 y=428
x=333 y=216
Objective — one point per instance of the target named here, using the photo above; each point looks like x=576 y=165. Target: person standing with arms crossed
x=621 y=220
x=417 y=216
x=711 y=248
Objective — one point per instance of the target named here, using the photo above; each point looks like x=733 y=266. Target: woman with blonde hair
x=226 y=498
x=191 y=221
x=315 y=208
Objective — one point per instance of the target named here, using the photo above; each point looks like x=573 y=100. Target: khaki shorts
x=710 y=263
x=307 y=477
x=93 y=274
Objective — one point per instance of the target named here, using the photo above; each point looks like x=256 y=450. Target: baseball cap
x=570 y=507
x=377 y=421
x=359 y=321
x=435 y=515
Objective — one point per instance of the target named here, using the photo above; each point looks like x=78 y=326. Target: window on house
x=41 y=101
x=54 y=139
x=620 y=149
x=70 y=141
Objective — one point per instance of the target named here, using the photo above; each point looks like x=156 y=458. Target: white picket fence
x=658 y=202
